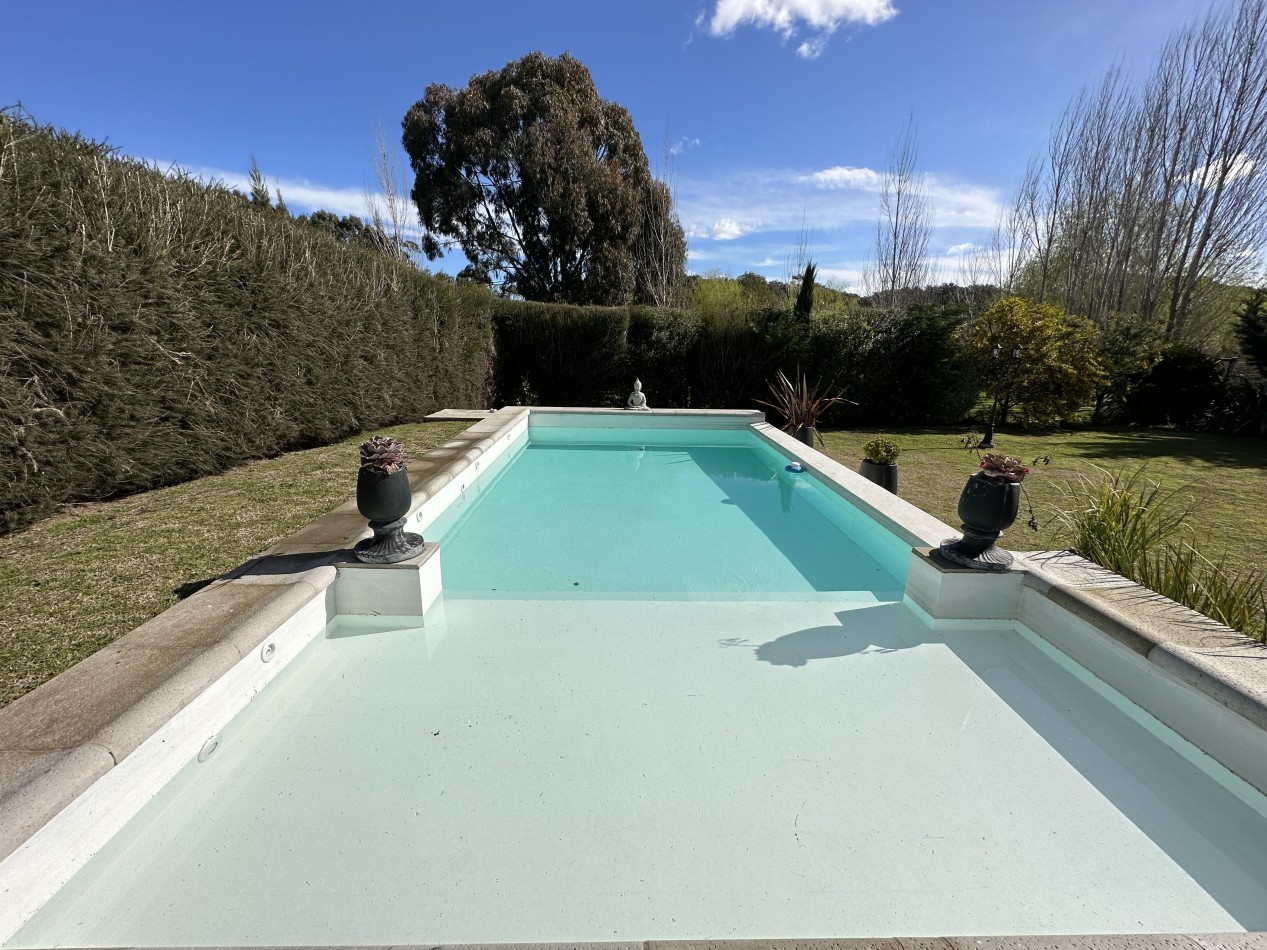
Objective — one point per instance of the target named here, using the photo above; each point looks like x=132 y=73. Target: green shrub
x=913 y=370
x=729 y=365
x=560 y=355
x=881 y=450
x=1182 y=389
x=663 y=351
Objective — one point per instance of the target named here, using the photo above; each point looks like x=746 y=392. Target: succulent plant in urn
x=987 y=507
x=383 y=497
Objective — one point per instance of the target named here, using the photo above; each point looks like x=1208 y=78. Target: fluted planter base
x=391 y=543
x=977 y=550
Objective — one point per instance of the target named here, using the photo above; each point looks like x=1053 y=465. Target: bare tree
x=900 y=266
x=391 y=214
x=660 y=246
x=796 y=259
x=1151 y=195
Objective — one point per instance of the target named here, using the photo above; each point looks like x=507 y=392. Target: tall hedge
x=156 y=328
x=898 y=368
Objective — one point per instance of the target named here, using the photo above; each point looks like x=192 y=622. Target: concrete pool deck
x=60 y=738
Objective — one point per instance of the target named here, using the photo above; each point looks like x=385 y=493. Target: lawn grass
x=1222 y=480
x=75 y=582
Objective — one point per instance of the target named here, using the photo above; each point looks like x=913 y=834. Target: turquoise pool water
x=737 y=730
x=663 y=520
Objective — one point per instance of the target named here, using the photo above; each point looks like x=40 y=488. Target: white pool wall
x=1194 y=695
x=32 y=873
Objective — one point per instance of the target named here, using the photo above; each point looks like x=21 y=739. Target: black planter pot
x=384 y=500
x=884 y=475
x=382 y=497
x=806 y=435
x=987 y=508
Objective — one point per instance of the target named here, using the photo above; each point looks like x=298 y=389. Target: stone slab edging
x=458 y=415
x=1226 y=666
x=61 y=737
x=1206 y=941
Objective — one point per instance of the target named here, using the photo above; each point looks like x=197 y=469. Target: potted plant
x=800 y=404
x=987 y=507
x=879 y=462
x=383 y=497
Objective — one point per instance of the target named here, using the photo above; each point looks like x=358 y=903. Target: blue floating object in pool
x=795 y=467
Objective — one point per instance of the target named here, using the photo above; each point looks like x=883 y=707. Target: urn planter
x=987 y=507
x=384 y=501
x=884 y=475
x=806 y=434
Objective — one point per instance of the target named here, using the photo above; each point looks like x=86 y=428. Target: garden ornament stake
x=1002 y=374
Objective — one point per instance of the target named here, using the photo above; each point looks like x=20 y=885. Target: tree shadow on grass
x=1134 y=446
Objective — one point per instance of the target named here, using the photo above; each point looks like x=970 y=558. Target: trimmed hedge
x=900 y=368
x=158 y=328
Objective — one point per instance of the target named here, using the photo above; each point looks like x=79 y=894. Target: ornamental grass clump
x=1116 y=519
x=1133 y=527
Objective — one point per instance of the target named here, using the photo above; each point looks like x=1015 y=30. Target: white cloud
x=683 y=144
x=845 y=176
x=822 y=201
x=821 y=17
x=1238 y=167
x=963 y=248
x=300 y=194
x=846 y=275
x=813 y=47
x=727 y=229
x=956 y=204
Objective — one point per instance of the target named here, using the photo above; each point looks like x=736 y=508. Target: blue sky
x=781 y=113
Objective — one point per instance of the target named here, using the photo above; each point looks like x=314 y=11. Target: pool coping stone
x=1212 y=658
x=1200 y=941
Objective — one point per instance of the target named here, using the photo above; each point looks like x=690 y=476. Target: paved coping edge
x=1227 y=666
x=1195 y=941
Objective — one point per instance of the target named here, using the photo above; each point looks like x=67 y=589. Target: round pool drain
x=266 y=653
x=208 y=748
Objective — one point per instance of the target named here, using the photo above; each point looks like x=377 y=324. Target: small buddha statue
x=636 y=399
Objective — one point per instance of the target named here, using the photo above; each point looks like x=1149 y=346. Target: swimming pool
x=672 y=691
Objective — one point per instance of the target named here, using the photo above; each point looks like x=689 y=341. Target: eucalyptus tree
x=542 y=184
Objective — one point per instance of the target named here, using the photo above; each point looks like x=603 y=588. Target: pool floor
x=551 y=770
